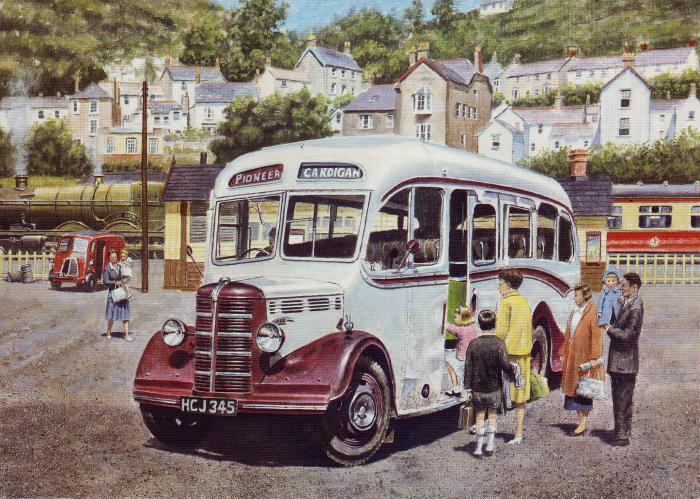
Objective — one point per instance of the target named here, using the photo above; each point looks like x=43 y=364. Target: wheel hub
x=362 y=411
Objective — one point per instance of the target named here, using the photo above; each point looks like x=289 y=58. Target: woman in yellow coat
x=514 y=326
x=583 y=343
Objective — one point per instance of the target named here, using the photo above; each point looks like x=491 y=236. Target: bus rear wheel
x=539 y=358
x=354 y=427
x=174 y=428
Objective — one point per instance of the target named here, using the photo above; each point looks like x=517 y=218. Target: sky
x=304 y=15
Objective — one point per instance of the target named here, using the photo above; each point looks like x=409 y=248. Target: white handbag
x=591 y=388
x=119 y=295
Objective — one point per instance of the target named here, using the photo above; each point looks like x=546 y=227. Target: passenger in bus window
x=270 y=248
x=582 y=349
x=608 y=302
x=514 y=326
x=486 y=362
x=463 y=328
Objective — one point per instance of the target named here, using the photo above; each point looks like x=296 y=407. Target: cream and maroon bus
x=341 y=315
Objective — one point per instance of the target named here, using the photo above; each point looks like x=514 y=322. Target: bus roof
x=387 y=162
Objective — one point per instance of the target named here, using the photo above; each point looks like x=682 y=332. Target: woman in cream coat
x=583 y=342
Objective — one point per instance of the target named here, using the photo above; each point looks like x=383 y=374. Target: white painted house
x=212 y=100
x=180 y=82
x=280 y=81
x=330 y=72
x=163 y=115
x=626 y=100
x=491 y=7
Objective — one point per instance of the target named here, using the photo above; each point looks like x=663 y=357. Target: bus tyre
x=539 y=358
x=355 y=425
x=172 y=427
x=90 y=283
x=55 y=285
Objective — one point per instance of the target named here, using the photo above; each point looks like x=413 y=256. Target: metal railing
x=41 y=263
x=665 y=268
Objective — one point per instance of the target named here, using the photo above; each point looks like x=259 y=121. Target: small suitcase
x=466 y=416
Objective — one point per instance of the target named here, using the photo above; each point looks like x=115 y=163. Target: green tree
x=8 y=154
x=203 y=42
x=413 y=16
x=252 y=33
x=51 y=151
x=444 y=12
x=251 y=125
x=677 y=86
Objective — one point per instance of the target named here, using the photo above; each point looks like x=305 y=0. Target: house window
x=93 y=106
x=458 y=110
x=176 y=116
x=183 y=86
x=658 y=217
x=515 y=93
x=342 y=73
x=463 y=140
x=423 y=100
x=152 y=146
x=131 y=145
x=603 y=72
x=495 y=83
x=283 y=83
x=110 y=145
x=198 y=221
x=624 y=127
x=423 y=131
x=365 y=121
x=585 y=143
x=209 y=113
x=338 y=117
x=662 y=117
x=540 y=128
x=353 y=90
x=56 y=114
x=476 y=93
x=625 y=97
x=591 y=73
x=156 y=119
x=495 y=142
x=532 y=147
x=93 y=126
x=353 y=75
x=615 y=221
x=691 y=115
x=333 y=73
x=166 y=119
x=75 y=106
x=126 y=100
x=127 y=117
x=466 y=111
x=333 y=85
x=41 y=115
x=343 y=89
x=556 y=145
x=537 y=92
x=578 y=75
x=695 y=217
x=390 y=121
x=537 y=77
x=549 y=76
x=475 y=114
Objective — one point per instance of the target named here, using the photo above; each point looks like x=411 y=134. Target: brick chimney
x=423 y=51
x=558 y=100
x=692 y=42
x=627 y=57
x=197 y=75
x=643 y=47
x=516 y=59
x=577 y=164
x=346 y=48
x=478 y=60
x=311 y=40
x=693 y=90
x=572 y=51
x=412 y=56
x=21 y=182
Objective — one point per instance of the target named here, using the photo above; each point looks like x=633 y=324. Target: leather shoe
x=620 y=442
x=578 y=434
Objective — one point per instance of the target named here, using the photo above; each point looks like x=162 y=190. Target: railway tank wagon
x=31 y=218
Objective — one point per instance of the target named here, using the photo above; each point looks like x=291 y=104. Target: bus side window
x=387 y=240
x=566 y=240
x=484 y=234
x=519 y=233
x=427 y=230
x=546 y=231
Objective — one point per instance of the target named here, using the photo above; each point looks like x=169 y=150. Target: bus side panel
x=542 y=316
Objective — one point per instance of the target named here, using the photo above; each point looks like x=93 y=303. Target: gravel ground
x=69 y=427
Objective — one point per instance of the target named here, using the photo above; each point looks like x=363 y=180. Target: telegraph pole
x=144 y=189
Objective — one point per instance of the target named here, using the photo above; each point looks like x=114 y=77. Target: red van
x=81 y=257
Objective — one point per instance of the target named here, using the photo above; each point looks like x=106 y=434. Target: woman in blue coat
x=119 y=311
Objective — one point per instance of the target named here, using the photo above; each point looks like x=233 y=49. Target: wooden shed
x=591 y=201
x=186 y=198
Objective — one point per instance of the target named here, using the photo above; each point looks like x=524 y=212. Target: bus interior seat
x=517 y=247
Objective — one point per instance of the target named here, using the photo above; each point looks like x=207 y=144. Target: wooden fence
x=666 y=268
x=41 y=263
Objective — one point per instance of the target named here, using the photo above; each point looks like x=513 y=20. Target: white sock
x=479 y=440
x=491 y=439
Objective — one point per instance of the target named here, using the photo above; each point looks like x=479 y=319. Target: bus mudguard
x=542 y=315
x=328 y=362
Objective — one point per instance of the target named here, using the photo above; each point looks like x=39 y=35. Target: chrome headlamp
x=173 y=332
x=269 y=337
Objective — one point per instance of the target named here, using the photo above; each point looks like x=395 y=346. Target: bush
x=677 y=85
x=51 y=151
x=8 y=155
x=131 y=165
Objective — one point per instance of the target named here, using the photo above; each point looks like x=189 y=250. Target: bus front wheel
x=174 y=428
x=354 y=427
x=539 y=358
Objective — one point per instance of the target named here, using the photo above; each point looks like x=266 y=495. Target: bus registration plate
x=217 y=407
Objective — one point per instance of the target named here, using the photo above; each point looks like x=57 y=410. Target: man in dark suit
x=623 y=357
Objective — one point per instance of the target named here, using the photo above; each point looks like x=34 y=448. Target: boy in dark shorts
x=485 y=363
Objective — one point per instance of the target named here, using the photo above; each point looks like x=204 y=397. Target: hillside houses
x=330 y=72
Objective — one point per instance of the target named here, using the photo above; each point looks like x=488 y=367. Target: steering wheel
x=249 y=250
